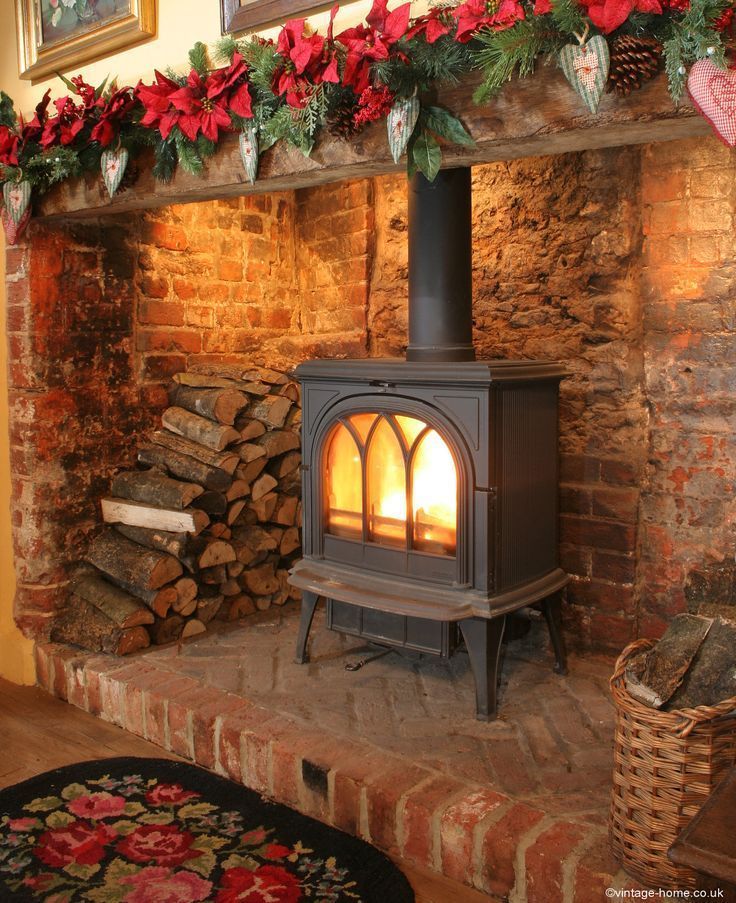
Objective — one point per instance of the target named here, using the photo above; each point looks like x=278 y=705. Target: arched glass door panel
x=386 y=487
x=344 y=485
x=434 y=495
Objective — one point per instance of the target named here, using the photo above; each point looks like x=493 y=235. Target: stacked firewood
x=206 y=527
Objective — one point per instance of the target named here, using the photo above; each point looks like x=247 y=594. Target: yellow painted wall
x=181 y=23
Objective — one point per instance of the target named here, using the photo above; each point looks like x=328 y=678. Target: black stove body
x=430 y=485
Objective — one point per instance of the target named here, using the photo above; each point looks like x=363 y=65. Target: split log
x=230 y=587
x=249 y=428
x=275 y=377
x=192 y=627
x=285 y=511
x=277 y=442
x=294 y=419
x=282 y=596
x=138 y=514
x=184 y=466
x=158 y=600
x=208 y=609
x=233 y=512
x=291 y=391
x=216 y=436
x=238 y=489
x=214 y=503
x=126 y=561
x=291 y=483
x=183 y=546
x=217 y=552
x=260 y=581
x=256 y=538
x=263 y=485
x=263 y=603
x=712 y=677
x=120 y=607
x=186 y=591
x=166 y=630
x=224 y=460
x=248 y=452
x=153 y=488
x=83 y=624
x=220 y=531
x=285 y=465
x=290 y=541
x=211 y=381
x=235 y=568
x=249 y=472
x=220 y=405
x=271 y=410
x=264 y=507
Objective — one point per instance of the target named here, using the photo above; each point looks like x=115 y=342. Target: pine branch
x=8 y=116
x=165 y=161
x=188 y=157
x=692 y=38
x=199 y=60
x=568 y=17
x=225 y=50
x=516 y=49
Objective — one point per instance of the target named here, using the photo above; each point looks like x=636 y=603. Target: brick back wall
x=618 y=262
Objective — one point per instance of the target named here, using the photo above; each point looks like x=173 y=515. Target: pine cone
x=633 y=61
x=339 y=120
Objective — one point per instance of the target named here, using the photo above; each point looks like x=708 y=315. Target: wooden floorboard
x=39 y=733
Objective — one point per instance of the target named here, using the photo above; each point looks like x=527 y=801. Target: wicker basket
x=665 y=766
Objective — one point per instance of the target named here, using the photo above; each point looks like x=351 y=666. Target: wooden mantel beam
x=534 y=117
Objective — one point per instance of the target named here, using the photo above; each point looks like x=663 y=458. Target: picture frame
x=242 y=15
x=56 y=35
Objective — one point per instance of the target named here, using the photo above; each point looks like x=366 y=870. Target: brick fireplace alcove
x=618 y=262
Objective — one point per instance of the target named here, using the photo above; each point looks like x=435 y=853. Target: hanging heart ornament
x=13 y=230
x=248 y=142
x=17 y=197
x=402 y=117
x=113 y=164
x=713 y=92
x=586 y=68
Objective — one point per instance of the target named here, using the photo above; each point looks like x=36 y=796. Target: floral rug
x=156 y=831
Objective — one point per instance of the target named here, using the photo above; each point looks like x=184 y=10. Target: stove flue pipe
x=440 y=268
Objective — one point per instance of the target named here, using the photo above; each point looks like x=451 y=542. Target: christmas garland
x=304 y=83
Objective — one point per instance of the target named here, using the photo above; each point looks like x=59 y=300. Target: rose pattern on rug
x=137 y=840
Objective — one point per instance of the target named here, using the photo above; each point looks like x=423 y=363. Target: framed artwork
x=55 y=35
x=238 y=15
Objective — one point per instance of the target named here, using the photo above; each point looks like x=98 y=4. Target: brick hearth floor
x=392 y=752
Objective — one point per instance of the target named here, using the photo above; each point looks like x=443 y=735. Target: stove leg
x=483 y=638
x=551 y=608
x=309 y=604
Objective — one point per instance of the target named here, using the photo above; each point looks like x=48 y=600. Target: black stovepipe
x=440 y=268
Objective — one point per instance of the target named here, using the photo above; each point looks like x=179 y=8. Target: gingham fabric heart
x=13 y=230
x=713 y=93
x=248 y=142
x=586 y=68
x=17 y=197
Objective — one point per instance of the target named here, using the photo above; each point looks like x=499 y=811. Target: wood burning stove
x=430 y=485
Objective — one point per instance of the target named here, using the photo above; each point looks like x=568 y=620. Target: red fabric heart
x=713 y=92
x=12 y=231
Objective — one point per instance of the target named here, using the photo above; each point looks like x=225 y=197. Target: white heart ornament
x=17 y=197
x=402 y=117
x=248 y=142
x=713 y=92
x=13 y=230
x=586 y=68
x=113 y=164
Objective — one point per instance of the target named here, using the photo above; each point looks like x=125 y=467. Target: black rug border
x=360 y=857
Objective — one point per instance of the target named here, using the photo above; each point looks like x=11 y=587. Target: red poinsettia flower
x=230 y=85
x=365 y=44
x=198 y=112
x=265 y=885
x=32 y=131
x=307 y=60
x=473 y=15
x=80 y=842
x=542 y=7
x=608 y=15
x=725 y=21
x=166 y=845
x=112 y=113
x=9 y=142
x=156 y=101
x=66 y=125
x=434 y=25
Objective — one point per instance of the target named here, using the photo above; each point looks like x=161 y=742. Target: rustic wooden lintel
x=538 y=116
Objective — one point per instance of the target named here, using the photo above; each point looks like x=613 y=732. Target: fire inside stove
x=391 y=479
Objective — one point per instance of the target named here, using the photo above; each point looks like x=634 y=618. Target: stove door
x=389 y=484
